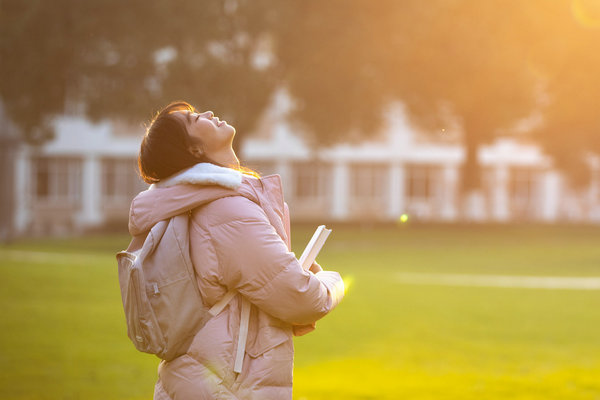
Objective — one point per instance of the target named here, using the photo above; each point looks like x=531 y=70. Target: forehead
x=184 y=115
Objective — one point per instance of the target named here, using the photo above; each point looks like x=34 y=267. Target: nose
x=208 y=114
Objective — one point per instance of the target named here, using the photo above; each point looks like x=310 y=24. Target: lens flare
x=348 y=281
x=586 y=12
x=403 y=219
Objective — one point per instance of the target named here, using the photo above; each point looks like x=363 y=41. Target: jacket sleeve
x=254 y=260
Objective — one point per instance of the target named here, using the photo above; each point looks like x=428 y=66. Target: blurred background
x=438 y=137
x=441 y=110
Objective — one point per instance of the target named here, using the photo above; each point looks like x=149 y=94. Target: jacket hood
x=179 y=193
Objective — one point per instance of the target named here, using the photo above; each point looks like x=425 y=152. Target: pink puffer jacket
x=239 y=239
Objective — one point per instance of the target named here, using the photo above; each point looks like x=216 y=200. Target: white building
x=405 y=172
x=84 y=178
x=87 y=176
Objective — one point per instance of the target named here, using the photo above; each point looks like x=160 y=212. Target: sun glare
x=348 y=281
x=586 y=12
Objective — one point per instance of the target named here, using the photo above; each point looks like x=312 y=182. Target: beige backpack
x=163 y=305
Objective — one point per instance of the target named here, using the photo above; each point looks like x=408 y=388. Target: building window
x=42 y=178
x=120 y=180
x=421 y=180
x=522 y=185
x=523 y=191
x=595 y=184
x=369 y=182
x=311 y=180
x=56 y=180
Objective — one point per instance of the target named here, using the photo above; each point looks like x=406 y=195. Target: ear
x=196 y=151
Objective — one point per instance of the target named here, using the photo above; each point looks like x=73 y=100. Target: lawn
x=62 y=332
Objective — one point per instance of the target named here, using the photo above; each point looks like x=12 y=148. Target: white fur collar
x=204 y=174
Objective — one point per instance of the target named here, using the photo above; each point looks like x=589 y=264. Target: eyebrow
x=188 y=116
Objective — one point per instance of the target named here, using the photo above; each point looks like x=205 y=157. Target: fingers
x=315 y=267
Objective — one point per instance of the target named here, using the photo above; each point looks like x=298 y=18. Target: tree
x=107 y=59
x=444 y=59
x=120 y=59
x=481 y=64
x=569 y=63
x=329 y=61
x=486 y=65
x=470 y=67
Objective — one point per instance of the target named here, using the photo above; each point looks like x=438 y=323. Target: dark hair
x=165 y=148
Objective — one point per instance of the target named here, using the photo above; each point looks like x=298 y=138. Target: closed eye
x=198 y=116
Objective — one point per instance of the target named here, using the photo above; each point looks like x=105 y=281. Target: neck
x=227 y=158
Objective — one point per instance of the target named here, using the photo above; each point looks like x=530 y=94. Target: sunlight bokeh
x=587 y=12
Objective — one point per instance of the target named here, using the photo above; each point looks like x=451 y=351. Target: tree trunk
x=8 y=146
x=471 y=195
x=471 y=171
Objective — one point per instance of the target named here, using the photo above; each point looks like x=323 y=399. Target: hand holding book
x=307 y=261
x=315 y=267
x=314 y=247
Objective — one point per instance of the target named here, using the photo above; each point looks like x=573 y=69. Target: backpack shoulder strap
x=220 y=305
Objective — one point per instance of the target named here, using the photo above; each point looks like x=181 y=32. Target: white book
x=314 y=247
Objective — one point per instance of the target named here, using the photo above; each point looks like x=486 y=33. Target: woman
x=239 y=240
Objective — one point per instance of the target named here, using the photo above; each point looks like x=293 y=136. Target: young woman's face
x=208 y=133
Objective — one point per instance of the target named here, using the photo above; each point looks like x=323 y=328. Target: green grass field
x=62 y=330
